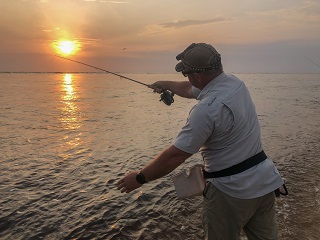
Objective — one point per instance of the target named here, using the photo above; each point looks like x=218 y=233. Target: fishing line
x=166 y=96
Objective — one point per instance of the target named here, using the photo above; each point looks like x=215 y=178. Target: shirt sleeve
x=198 y=128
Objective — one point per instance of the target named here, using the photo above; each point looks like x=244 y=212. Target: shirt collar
x=211 y=85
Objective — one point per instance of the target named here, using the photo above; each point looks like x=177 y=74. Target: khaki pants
x=224 y=216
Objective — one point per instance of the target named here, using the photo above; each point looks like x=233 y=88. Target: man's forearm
x=182 y=89
x=164 y=163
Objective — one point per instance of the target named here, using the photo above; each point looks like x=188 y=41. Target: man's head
x=199 y=61
x=198 y=57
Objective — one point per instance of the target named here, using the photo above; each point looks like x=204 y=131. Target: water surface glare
x=66 y=139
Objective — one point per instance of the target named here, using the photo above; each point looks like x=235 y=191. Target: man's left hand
x=128 y=183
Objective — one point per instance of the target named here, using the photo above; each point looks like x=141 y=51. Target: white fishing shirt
x=224 y=127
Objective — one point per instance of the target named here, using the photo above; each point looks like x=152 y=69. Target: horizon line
x=93 y=72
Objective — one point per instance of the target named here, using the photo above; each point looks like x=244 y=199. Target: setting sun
x=66 y=47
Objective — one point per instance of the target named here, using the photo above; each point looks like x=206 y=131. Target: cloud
x=104 y=1
x=188 y=23
x=307 y=11
x=117 y=2
x=179 y=24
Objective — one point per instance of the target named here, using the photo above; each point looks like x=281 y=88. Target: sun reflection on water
x=68 y=87
x=70 y=117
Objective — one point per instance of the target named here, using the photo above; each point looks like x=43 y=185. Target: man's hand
x=168 y=160
x=180 y=88
x=128 y=183
x=158 y=87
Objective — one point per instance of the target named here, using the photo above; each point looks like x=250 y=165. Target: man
x=223 y=125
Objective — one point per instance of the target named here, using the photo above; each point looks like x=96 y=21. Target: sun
x=66 y=47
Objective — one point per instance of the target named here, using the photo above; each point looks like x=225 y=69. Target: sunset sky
x=264 y=36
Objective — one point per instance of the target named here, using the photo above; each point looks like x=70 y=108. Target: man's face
x=194 y=79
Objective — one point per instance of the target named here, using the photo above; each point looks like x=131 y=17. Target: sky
x=144 y=36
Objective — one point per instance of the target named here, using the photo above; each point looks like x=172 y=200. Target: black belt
x=238 y=168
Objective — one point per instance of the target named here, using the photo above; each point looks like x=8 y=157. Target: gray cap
x=198 y=57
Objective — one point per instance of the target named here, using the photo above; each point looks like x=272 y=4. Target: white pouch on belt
x=189 y=182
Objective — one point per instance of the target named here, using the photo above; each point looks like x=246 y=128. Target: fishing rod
x=166 y=96
x=312 y=61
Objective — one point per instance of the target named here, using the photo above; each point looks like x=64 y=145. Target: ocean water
x=66 y=139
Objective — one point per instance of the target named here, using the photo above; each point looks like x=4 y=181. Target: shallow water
x=67 y=138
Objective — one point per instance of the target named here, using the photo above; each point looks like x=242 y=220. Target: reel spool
x=167 y=97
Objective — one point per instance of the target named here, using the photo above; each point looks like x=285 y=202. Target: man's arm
x=162 y=165
x=182 y=89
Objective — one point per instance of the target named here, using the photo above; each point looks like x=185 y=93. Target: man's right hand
x=158 y=86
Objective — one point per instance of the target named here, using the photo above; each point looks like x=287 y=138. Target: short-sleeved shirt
x=224 y=127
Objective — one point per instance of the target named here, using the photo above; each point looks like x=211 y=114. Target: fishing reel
x=167 y=97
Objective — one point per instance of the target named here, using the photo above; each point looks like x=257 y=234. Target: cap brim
x=180 y=67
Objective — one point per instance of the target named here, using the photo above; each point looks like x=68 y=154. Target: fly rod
x=166 y=96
